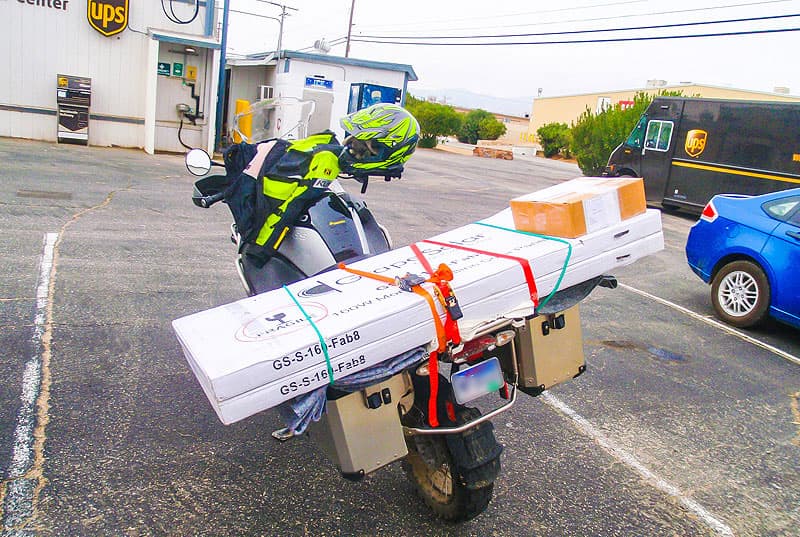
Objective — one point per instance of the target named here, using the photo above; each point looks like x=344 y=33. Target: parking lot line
x=716 y=324
x=22 y=476
x=629 y=460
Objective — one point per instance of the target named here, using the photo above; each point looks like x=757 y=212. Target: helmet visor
x=364 y=150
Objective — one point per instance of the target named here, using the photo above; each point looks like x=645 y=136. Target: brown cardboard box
x=579 y=206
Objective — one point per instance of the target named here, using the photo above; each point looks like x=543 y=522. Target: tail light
x=709 y=213
x=476 y=348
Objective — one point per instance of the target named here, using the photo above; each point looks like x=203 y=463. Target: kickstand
x=282 y=434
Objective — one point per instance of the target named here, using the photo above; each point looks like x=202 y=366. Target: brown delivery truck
x=687 y=150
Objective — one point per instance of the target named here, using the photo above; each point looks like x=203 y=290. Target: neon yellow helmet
x=380 y=139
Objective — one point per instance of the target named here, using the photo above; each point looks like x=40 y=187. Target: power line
x=616 y=17
x=571 y=32
x=253 y=14
x=581 y=41
x=540 y=12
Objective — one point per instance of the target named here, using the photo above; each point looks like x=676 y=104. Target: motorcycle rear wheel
x=429 y=466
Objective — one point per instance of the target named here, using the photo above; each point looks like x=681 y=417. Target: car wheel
x=740 y=294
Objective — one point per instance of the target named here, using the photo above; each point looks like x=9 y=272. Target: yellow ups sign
x=695 y=142
x=109 y=17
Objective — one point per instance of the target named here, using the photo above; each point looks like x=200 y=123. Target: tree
x=480 y=125
x=555 y=138
x=434 y=120
x=594 y=136
x=490 y=129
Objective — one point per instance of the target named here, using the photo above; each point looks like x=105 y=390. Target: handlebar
x=209 y=190
x=207 y=201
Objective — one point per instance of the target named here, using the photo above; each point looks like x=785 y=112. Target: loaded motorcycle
x=454 y=464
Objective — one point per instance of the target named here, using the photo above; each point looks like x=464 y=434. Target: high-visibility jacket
x=292 y=177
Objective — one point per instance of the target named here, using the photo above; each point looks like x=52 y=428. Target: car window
x=636 y=135
x=781 y=208
x=659 y=134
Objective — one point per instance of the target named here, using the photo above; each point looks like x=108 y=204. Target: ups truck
x=687 y=150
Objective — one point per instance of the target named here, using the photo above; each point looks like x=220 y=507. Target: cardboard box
x=260 y=351
x=580 y=206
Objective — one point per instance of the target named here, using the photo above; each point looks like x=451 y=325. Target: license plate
x=477 y=380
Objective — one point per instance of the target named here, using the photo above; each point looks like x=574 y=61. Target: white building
x=152 y=70
x=143 y=62
x=337 y=85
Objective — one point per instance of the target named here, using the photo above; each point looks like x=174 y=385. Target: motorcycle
x=454 y=465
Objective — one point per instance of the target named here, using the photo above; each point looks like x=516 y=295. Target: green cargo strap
x=545 y=237
x=319 y=334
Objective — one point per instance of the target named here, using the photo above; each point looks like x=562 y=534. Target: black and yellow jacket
x=269 y=201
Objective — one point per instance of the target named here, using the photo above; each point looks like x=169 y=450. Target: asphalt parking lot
x=679 y=427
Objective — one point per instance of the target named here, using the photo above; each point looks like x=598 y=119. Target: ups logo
x=109 y=17
x=695 y=142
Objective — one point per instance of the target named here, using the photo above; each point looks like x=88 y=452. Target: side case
x=549 y=350
x=361 y=432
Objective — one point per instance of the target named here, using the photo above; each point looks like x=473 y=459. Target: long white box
x=258 y=352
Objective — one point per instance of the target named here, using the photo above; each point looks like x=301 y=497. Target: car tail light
x=709 y=213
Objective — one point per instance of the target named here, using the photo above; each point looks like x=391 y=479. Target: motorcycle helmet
x=380 y=138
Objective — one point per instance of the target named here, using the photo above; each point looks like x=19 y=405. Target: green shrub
x=555 y=138
x=427 y=141
x=434 y=119
x=594 y=136
x=480 y=125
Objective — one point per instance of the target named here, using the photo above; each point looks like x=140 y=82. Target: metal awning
x=184 y=39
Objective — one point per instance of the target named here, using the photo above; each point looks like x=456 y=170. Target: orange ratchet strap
x=441 y=278
x=526 y=266
x=433 y=359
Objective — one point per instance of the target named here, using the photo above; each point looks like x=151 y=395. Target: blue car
x=748 y=249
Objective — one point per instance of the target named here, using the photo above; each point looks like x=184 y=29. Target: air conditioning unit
x=265 y=92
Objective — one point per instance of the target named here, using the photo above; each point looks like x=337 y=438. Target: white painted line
x=716 y=324
x=626 y=458
x=18 y=500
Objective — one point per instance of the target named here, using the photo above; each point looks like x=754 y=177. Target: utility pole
x=221 y=81
x=283 y=16
x=280 y=31
x=350 y=28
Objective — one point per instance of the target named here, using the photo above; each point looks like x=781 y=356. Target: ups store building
x=109 y=72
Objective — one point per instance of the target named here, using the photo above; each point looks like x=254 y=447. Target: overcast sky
x=757 y=62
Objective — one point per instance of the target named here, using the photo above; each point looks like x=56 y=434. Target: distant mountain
x=511 y=106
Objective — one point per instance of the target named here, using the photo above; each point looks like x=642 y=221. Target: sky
x=757 y=62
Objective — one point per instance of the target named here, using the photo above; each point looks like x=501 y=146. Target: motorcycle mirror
x=198 y=162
